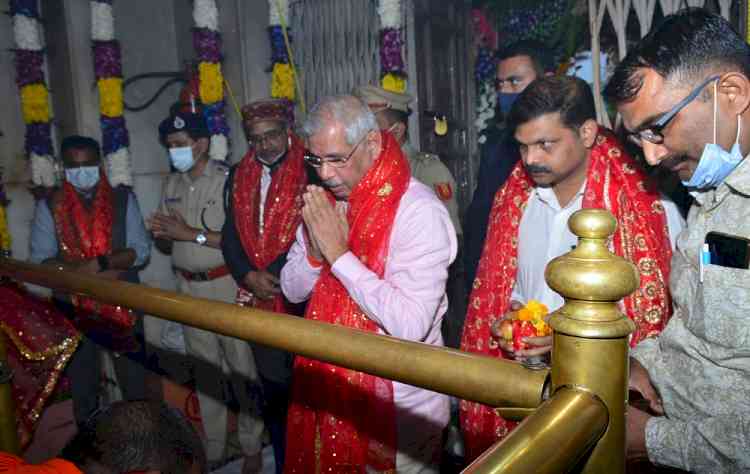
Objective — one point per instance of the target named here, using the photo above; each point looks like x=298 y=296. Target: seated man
x=567 y=163
x=683 y=93
x=376 y=261
x=125 y=437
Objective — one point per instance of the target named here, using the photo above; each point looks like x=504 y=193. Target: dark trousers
x=84 y=372
x=275 y=406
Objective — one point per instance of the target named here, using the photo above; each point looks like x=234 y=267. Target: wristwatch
x=201 y=239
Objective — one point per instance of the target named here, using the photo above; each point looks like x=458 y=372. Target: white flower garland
x=219 y=147
x=273 y=12
x=118 y=163
x=390 y=13
x=43 y=170
x=119 y=168
x=206 y=15
x=486 y=108
x=27 y=33
x=102 y=22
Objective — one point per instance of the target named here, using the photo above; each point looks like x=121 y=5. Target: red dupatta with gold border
x=341 y=420
x=282 y=215
x=614 y=182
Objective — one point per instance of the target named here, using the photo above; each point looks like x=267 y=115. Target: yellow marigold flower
x=211 y=82
x=4 y=232
x=282 y=82
x=35 y=103
x=110 y=96
x=542 y=329
x=524 y=314
x=537 y=308
x=394 y=83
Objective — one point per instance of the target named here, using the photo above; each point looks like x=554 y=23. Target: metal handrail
x=588 y=380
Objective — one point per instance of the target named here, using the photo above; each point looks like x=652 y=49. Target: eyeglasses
x=271 y=135
x=317 y=162
x=653 y=133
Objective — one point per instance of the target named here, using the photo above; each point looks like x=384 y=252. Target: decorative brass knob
x=590 y=272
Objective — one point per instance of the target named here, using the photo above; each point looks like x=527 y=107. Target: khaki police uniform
x=200 y=202
x=430 y=170
x=425 y=167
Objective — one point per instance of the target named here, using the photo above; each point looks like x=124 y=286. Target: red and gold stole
x=616 y=183
x=282 y=213
x=85 y=234
x=341 y=420
x=42 y=341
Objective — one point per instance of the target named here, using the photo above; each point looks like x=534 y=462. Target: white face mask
x=82 y=178
x=716 y=163
x=182 y=158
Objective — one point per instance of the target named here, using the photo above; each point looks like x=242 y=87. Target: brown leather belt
x=209 y=275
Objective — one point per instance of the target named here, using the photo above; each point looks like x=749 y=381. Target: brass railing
x=581 y=424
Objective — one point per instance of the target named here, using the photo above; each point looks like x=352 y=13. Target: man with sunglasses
x=684 y=96
x=263 y=205
x=373 y=255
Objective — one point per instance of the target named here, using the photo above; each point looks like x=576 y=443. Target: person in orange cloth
x=13 y=464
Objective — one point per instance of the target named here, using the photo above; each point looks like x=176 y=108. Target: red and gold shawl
x=341 y=420
x=282 y=214
x=42 y=340
x=86 y=233
x=614 y=182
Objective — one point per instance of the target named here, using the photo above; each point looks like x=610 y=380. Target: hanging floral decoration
x=35 y=108
x=108 y=74
x=392 y=67
x=282 y=71
x=207 y=45
x=484 y=72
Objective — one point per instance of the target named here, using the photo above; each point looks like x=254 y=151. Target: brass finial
x=592 y=279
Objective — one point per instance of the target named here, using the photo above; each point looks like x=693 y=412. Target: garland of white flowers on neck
x=29 y=59
x=108 y=73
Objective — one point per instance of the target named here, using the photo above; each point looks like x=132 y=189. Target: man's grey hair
x=347 y=110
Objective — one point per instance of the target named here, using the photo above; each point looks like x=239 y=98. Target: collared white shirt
x=544 y=234
x=265 y=183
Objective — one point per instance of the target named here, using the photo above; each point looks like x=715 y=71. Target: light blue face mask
x=182 y=158
x=716 y=163
x=83 y=178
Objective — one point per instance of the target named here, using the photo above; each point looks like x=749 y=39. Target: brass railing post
x=8 y=435
x=590 y=350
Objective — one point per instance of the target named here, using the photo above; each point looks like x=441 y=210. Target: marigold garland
x=108 y=72
x=211 y=82
x=283 y=74
x=110 y=97
x=392 y=67
x=207 y=45
x=35 y=107
x=5 y=239
x=394 y=83
x=282 y=82
x=35 y=103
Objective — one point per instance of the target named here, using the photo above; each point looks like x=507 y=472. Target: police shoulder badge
x=443 y=190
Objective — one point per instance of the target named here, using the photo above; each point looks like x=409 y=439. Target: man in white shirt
x=567 y=163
